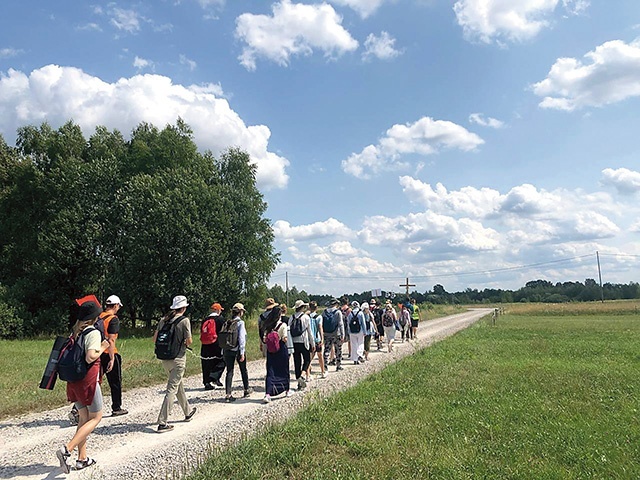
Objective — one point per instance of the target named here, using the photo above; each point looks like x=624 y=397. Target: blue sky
x=475 y=143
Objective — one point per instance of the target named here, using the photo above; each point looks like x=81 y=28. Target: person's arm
x=112 y=335
x=94 y=348
x=309 y=332
x=242 y=339
x=188 y=340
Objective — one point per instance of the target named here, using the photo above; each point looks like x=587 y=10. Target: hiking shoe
x=208 y=386
x=165 y=428
x=87 y=462
x=230 y=399
x=74 y=417
x=63 y=455
x=247 y=392
x=117 y=413
x=266 y=399
x=189 y=416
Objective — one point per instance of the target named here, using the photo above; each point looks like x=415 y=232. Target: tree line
x=145 y=218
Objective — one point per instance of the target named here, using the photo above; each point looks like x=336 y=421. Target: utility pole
x=407 y=285
x=600 y=276
x=286 y=283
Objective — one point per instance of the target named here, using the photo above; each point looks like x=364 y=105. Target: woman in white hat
x=303 y=342
x=175 y=327
x=233 y=341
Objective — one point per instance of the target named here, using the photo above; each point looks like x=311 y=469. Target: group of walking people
x=302 y=335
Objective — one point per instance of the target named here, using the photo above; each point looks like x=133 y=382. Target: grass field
x=534 y=397
x=23 y=362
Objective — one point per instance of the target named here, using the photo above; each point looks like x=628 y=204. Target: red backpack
x=208 y=334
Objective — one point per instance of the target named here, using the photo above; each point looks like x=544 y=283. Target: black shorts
x=414 y=323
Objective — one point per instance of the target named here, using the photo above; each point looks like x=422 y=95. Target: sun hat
x=355 y=304
x=179 y=302
x=269 y=303
x=238 y=306
x=300 y=304
x=216 y=306
x=88 y=311
x=114 y=300
x=334 y=301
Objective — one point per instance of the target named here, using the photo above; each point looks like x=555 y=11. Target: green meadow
x=540 y=395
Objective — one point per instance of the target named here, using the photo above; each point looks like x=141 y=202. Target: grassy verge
x=544 y=397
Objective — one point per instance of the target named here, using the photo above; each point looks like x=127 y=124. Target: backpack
x=329 y=321
x=354 y=323
x=208 y=331
x=272 y=340
x=387 y=319
x=296 y=326
x=228 y=334
x=403 y=317
x=167 y=347
x=72 y=364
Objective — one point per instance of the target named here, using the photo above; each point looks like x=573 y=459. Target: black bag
x=329 y=321
x=296 y=326
x=228 y=334
x=72 y=364
x=167 y=346
x=354 y=323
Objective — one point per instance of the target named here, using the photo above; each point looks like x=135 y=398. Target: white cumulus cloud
x=283 y=230
x=483 y=121
x=624 y=180
x=423 y=137
x=610 y=74
x=513 y=20
x=57 y=94
x=381 y=47
x=364 y=8
x=293 y=29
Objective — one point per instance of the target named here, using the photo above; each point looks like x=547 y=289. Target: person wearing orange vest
x=111 y=360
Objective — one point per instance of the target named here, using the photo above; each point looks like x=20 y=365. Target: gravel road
x=129 y=447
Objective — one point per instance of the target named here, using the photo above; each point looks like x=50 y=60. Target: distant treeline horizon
x=534 y=291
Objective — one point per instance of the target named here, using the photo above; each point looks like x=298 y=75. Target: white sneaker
x=290 y=393
x=324 y=375
x=266 y=399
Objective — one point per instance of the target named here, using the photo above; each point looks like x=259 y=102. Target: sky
x=469 y=143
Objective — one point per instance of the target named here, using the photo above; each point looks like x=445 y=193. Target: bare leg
x=86 y=424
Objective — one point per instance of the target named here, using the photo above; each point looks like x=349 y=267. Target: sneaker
x=87 y=462
x=165 y=428
x=266 y=399
x=74 y=417
x=301 y=383
x=324 y=375
x=247 y=392
x=63 y=455
x=290 y=393
x=332 y=362
x=119 y=412
x=230 y=399
x=338 y=368
x=208 y=386
x=189 y=416
x=218 y=383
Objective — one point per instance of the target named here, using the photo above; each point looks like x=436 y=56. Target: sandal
x=87 y=462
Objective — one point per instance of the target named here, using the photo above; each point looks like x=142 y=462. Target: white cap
x=179 y=302
x=114 y=300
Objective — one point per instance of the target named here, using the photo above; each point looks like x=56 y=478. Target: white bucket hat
x=179 y=302
x=300 y=304
x=114 y=300
x=238 y=306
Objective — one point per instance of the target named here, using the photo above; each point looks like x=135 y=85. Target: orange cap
x=216 y=306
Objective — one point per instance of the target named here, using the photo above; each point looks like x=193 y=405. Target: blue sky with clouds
x=475 y=143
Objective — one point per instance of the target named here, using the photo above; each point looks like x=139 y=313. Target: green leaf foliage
x=148 y=219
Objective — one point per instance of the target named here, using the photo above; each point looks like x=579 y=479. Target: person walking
x=355 y=321
x=345 y=310
x=405 y=322
x=389 y=320
x=318 y=337
x=303 y=343
x=278 y=379
x=111 y=361
x=172 y=337
x=210 y=353
x=415 y=319
x=333 y=328
x=369 y=330
x=377 y=311
x=233 y=340
x=85 y=393
x=269 y=303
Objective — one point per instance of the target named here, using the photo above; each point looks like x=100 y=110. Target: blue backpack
x=72 y=365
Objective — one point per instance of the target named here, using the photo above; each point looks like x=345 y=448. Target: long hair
x=171 y=315
x=79 y=326
x=272 y=319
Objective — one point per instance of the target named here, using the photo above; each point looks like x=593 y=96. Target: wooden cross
x=407 y=285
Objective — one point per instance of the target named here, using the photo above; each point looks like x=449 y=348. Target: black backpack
x=296 y=326
x=167 y=346
x=228 y=334
x=72 y=365
x=354 y=323
x=329 y=321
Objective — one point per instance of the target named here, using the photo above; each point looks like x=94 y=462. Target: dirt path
x=128 y=447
